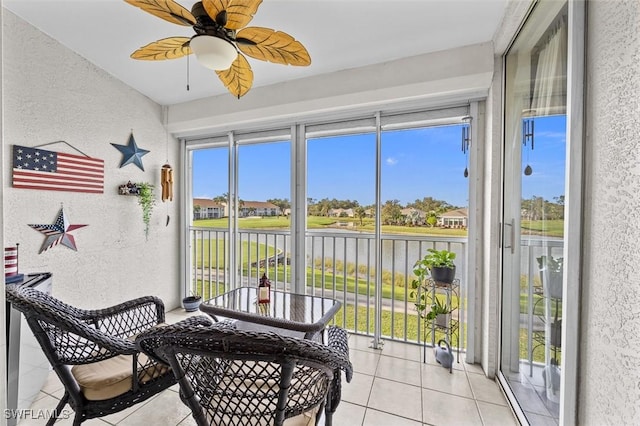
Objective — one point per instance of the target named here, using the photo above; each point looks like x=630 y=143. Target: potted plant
x=419 y=288
x=440 y=265
x=436 y=310
x=439 y=312
x=192 y=303
x=146 y=200
x=551 y=275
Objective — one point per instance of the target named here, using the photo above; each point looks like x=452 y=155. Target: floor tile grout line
x=376 y=365
x=475 y=399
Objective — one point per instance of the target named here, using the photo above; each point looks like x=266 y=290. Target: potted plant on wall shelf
x=146 y=200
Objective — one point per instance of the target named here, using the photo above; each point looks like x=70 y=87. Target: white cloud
x=392 y=161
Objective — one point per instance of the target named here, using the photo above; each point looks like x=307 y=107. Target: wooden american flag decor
x=36 y=168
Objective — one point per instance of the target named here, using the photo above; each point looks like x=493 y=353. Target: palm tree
x=221 y=198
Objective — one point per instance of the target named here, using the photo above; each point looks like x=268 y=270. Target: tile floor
x=390 y=387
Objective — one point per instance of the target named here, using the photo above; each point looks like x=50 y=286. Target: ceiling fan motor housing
x=206 y=25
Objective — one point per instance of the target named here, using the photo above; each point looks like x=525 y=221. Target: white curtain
x=550 y=98
x=550 y=87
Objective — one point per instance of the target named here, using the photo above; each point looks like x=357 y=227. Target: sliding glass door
x=534 y=212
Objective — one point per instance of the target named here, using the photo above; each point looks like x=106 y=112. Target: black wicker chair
x=93 y=352
x=238 y=378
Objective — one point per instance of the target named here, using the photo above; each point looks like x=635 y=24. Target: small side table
x=302 y=313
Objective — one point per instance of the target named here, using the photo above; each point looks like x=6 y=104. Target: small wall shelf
x=129 y=188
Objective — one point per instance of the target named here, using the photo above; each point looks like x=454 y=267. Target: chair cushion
x=112 y=377
x=304 y=419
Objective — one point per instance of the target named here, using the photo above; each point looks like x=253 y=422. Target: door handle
x=512 y=235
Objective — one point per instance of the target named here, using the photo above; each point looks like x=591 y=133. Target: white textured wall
x=50 y=94
x=437 y=78
x=3 y=340
x=609 y=374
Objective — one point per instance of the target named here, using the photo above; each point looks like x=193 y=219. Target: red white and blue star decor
x=131 y=153
x=58 y=233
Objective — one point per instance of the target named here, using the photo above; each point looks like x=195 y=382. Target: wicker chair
x=93 y=352
x=234 y=377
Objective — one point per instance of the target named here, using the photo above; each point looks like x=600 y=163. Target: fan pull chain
x=187 y=73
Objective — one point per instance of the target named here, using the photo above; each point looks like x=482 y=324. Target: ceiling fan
x=221 y=38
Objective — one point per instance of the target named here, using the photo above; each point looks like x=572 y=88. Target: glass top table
x=307 y=314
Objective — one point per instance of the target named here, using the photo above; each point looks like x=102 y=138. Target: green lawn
x=267 y=222
x=322 y=222
x=346 y=318
x=213 y=255
x=550 y=228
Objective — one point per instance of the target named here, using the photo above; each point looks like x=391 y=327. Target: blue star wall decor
x=131 y=153
x=58 y=233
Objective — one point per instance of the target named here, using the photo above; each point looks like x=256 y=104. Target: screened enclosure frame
x=317 y=126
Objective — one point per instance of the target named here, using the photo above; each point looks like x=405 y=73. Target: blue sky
x=416 y=163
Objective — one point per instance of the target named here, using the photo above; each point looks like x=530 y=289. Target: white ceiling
x=339 y=34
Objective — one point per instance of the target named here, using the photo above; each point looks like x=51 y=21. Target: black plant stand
x=451 y=329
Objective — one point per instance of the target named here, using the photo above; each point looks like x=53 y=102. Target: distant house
x=410 y=212
x=204 y=208
x=458 y=218
x=258 y=208
x=341 y=213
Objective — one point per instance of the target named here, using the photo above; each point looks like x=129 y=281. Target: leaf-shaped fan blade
x=238 y=79
x=167 y=48
x=239 y=12
x=167 y=10
x=273 y=46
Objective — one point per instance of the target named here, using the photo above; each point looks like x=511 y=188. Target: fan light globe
x=213 y=52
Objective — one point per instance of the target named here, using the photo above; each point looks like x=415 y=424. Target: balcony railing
x=534 y=312
x=339 y=264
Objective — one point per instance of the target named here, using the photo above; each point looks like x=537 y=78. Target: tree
x=221 y=198
x=414 y=218
x=429 y=203
x=391 y=212
x=537 y=208
x=432 y=219
x=282 y=204
x=360 y=213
